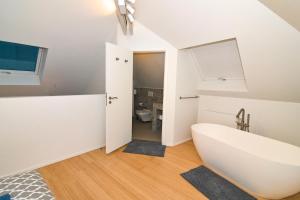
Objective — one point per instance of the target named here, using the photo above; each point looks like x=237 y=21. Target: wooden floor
x=122 y=176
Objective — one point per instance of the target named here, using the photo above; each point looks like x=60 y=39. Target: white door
x=119 y=85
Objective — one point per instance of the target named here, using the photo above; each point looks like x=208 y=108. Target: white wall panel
x=274 y=119
x=36 y=131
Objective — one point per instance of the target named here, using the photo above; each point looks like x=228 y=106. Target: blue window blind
x=18 y=57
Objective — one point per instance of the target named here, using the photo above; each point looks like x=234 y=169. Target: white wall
x=74 y=31
x=186 y=109
x=148 y=70
x=268 y=45
x=274 y=119
x=145 y=40
x=36 y=131
x=269 y=49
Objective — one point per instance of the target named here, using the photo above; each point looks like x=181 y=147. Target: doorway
x=148 y=91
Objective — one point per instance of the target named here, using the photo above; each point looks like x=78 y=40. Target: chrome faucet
x=240 y=121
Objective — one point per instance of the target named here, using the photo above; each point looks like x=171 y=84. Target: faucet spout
x=240 y=122
x=242 y=110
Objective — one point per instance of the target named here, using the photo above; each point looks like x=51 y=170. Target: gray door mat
x=149 y=148
x=25 y=186
x=214 y=186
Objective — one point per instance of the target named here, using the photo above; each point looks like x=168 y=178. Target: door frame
x=165 y=103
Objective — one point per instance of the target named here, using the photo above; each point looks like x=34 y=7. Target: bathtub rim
x=265 y=157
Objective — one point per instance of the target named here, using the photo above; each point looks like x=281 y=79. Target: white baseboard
x=43 y=164
x=182 y=141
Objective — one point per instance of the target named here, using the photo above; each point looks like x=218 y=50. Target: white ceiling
x=268 y=45
x=74 y=31
x=289 y=10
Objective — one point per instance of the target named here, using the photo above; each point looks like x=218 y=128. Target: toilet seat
x=144 y=115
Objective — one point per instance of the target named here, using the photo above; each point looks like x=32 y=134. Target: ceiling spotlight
x=130 y=9
x=130 y=17
x=131 y=1
x=122 y=6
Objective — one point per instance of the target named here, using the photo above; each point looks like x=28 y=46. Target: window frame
x=39 y=63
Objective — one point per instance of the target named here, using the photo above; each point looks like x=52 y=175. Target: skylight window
x=219 y=66
x=19 y=61
x=220 y=60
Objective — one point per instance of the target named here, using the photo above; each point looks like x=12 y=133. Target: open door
x=119 y=83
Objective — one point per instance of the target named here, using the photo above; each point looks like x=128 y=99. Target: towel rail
x=192 y=97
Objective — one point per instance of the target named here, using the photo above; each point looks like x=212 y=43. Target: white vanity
x=157 y=111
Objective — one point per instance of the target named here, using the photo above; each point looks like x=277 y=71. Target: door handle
x=111 y=98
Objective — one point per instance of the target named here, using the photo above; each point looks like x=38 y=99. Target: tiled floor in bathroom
x=143 y=131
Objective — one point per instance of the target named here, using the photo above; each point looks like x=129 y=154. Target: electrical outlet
x=150 y=94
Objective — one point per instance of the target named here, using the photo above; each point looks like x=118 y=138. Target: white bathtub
x=260 y=165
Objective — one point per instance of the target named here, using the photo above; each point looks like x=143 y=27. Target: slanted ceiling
x=269 y=46
x=289 y=10
x=74 y=31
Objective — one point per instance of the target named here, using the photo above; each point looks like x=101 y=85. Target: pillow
x=5 y=197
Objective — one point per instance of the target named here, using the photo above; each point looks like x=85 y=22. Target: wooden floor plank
x=95 y=175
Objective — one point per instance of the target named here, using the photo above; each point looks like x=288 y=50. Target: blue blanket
x=5 y=197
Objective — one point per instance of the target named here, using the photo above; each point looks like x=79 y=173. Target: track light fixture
x=131 y=1
x=122 y=6
x=125 y=13
x=130 y=9
x=130 y=18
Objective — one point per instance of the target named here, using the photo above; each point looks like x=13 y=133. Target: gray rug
x=146 y=148
x=214 y=186
x=25 y=186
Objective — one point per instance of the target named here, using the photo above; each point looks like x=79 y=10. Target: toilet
x=144 y=115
